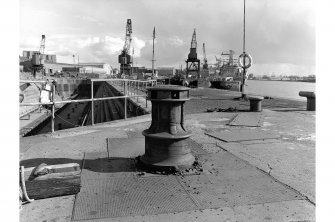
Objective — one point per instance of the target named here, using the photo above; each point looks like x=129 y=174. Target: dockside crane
x=192 y=62
x=37 y=58
x=205 y=65
x=124 y=57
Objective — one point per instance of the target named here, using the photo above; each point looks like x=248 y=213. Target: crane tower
x=37 y=58
x=205 y=65
x=192 y=62
x=124 y=57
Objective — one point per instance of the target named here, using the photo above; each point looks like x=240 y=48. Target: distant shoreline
x=283 y=80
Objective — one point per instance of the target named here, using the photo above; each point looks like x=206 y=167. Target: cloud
x=89 y=48
x=277 y=32
x=175 y=40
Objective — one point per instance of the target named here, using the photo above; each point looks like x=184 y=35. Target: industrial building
x=166 y=71
x=50 y=65
x=46 y=57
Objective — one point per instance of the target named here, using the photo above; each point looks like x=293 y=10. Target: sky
x=280 y=34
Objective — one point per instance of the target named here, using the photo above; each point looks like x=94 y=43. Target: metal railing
x=131 y=89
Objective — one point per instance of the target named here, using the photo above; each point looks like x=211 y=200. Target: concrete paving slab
x=211 y=148
x=51 y=209
x=291 y=163
x=237 y=135
x=249 y=119
x=97 y=165
x=126 y=147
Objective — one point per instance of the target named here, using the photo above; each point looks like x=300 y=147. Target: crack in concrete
x=288 y=186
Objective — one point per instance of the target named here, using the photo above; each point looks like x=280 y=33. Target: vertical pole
x=153 y=53
x=53 y=109
x=137 y=90
x=92 y=103
x=124 y=88
x=125 y=101
x=244 y=26
x=244 y=70
x=146 y=100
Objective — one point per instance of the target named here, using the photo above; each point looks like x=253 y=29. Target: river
x=279 y=89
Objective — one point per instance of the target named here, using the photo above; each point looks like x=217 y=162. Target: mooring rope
x=23 y=186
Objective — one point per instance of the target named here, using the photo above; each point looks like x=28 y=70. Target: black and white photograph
x=154 y=110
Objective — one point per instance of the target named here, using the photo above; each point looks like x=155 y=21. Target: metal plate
x=242 y=135
x=248 y=119
x=128 y=196
x=229 y=181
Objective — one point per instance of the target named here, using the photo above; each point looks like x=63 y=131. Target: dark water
x=279 y=89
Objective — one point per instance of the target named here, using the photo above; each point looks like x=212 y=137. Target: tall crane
x=42 y=45
x=205 y=65
x=230 y=55
x=37 y=58
x=192 y=62
x=153 y=53
x=124 y=57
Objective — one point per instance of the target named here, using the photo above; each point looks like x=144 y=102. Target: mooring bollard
x=165 y=145
x=310 y=99
x=255 y=103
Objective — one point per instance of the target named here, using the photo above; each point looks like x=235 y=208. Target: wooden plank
x=61 y=180
x=59 y=168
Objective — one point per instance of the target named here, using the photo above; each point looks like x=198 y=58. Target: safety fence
x=129 y=88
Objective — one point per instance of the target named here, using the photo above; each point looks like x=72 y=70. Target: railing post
x=128 y=90
x=137 y=91
x=125 y=101
x=146 y=97
x=53 y=108
x=92 y=102
x=124 y=88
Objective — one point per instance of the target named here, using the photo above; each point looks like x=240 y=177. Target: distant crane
x=132 y=63
x=192 y=62
x=42 y=45
x=37 y=58
x=124 y=57
x=205 y=65
x=153 y=53
x=230 y=55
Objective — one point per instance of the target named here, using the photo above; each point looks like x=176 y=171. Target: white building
x=101 y=68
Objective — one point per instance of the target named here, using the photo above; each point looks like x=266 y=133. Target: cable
x=66 y=121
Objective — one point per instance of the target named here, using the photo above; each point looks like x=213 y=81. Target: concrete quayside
x=252 y=166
